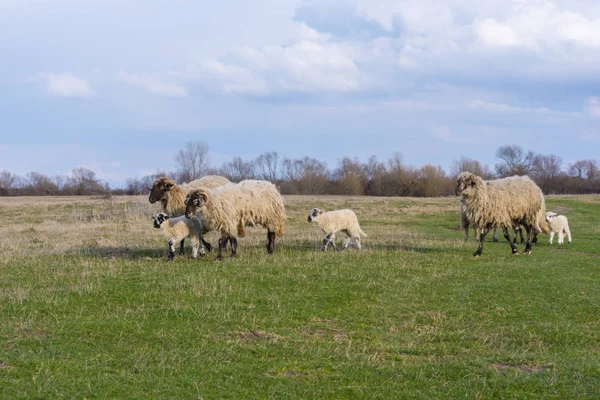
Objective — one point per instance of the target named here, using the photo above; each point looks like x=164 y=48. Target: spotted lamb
x=332 y=222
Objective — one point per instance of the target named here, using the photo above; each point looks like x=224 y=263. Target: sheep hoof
x=495 y=239
x=527 y=252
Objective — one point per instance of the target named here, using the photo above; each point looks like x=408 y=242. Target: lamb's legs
x=568 y=232
x=171 y=252
x=181 y=247
x=270 y=242
x=529 y=230
x=561 y=237
x=481 y=239
x=513 y=246
x=195 y=247
x=551 y=238
x=329 y=240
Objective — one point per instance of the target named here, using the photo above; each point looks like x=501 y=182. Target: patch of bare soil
x=252 y=335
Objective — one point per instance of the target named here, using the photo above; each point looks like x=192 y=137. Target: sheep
x=177 y=229
x=516 y=200
x=233 y=207
x=558 y=224
x=172 y=196
x=332 y=222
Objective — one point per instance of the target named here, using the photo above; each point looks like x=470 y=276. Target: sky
x=119 y=86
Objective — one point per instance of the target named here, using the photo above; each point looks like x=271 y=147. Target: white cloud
x=65 y=85
x=152 y=85
x=494 y=33
x=593 y=107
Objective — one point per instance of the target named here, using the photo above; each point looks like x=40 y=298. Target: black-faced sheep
x=231 y=208
x=558 y=224
x=517 y=201
x=332 y=222
x=178 y=228
x=172 y=196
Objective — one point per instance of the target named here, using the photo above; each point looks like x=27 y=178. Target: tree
x=41 y=184
x=83 y=181
x=192 y=160
x=470 y=165
x=8 y=182
x=514 y=161
x=585 y=169
x=237 y=170
x=267 y=166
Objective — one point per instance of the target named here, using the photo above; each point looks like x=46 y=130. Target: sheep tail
x=360 y=231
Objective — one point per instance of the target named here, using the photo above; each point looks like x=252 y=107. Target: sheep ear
x=166 y=217
x=321 y=212
x=168 y=186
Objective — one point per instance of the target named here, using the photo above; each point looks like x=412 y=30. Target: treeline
x=311 y=176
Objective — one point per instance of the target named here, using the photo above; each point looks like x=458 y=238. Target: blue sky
x=119 y=86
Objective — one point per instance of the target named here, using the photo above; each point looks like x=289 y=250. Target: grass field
x=90 y=308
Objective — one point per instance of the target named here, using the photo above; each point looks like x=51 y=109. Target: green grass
x=94 y=310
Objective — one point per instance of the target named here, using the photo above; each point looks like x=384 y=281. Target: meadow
x=90 y=307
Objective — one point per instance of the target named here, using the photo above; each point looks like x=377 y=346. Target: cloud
x=65 y=85
x=593 y=107
x=493 y=33
x=152 y=85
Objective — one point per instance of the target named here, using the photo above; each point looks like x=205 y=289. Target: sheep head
x=314 y=213
x=160 y=188
x=550 y=215
x=195 y=200
x=159 y=219
x=467 y=183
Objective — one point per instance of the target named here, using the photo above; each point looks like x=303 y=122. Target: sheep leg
x=551 y=238
x=207 y=245
x=222 y=245
x=171 y=252
x=270 y=242
x=233 y=242
x=513 y=246
x=329 y=240
x=495 y=236
x=196 y=247
x=357 y=243
x=561 y=237
x=568 y=232
x=181 y=247
x=529 y=230
x=481 y=239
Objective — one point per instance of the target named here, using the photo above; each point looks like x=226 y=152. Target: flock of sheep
x=214 y=203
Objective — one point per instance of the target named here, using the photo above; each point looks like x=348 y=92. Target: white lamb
x=178 y=228
x=332 y=222
x=558 y=224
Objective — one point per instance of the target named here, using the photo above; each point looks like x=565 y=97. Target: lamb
x=332 y=222
x=177 y=229
x=515 y=201
x=233 y=207
x=172 y=196
x=558 y=224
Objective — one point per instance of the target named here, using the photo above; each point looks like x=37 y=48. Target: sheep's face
x=194 y=201
x=159 y=189
x=314 y=213
x=466 y=184
x=159 y=219
x=550 y=215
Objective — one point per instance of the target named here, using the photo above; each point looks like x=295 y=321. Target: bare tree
x=585 y=169
x=41 y=184
x=514 y=161
x=192 y=161
x=470 y=165
x=238 y=170
x=267 y=166
x=8 y=182
x=83 y=181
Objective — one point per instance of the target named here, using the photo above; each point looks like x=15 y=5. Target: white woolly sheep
x=231 y=208
x=332 y=222
x=172 y=196
x=178 y=228
x=558 y=224
x=515 y=201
